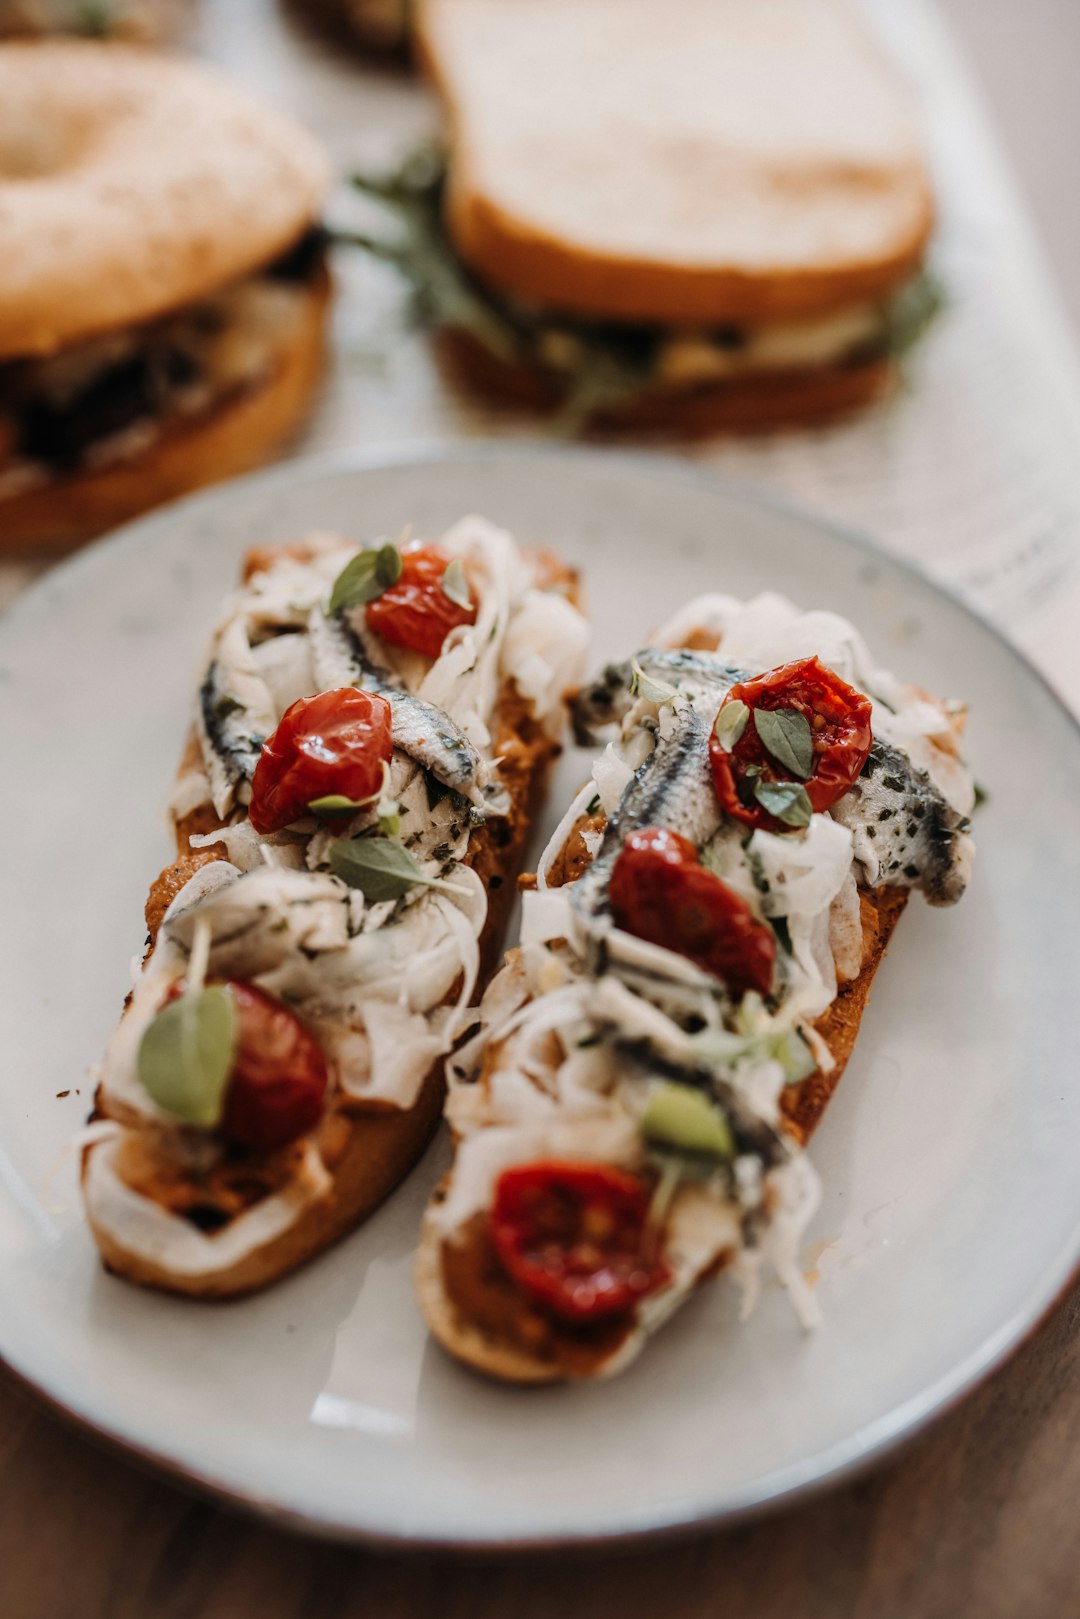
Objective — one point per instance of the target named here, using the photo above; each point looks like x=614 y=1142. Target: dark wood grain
x=978 y=1517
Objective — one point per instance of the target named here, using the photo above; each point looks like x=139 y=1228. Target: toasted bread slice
x=691 y=161
x=364 y=1148
x=233 y=435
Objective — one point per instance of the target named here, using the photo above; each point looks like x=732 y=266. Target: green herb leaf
x=653 y=691
x=185 y=1055
x=982 y=795
x=389 y=818
x=676 y=1116
x=786 y=801
x=731 y=723
x=380 y=868
x=456 y=586
x=786 y=734
x=367 y=576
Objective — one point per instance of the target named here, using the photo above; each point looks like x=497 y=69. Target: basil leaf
x=786 y=734
x=653 y=691
x=333 y=805
x=731 y=723
x=185 y=1055
x=380 y=868
x=456 y=586
x=786 y=801
x=367 y=576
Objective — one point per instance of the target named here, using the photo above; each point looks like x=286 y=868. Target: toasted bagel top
x=678 y=160
x=131 y=184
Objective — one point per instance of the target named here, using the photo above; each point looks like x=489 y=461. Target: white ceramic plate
x=951 y=1215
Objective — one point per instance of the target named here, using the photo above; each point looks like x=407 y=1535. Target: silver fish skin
x=229 y=740
x=904 y=832
x=421 y=730
x=606 y=700
x=672 y=788
x=752 y=1133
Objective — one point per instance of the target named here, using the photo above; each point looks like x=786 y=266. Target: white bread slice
x=678 y=160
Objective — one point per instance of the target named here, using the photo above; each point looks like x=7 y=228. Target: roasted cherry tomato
x=575 y=1237
x=278 y=1080
x=838 y=717
x=336 y=742
x=661 y=892
x=416 y=613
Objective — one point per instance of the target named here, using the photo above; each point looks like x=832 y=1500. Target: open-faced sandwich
x=372 y=728
x=163 y=283
x=681 y=214
x=696 y=957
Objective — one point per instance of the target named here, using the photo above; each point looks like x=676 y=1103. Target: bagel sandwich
x=372 y=731
x=683 y=216
x=163 y=290
x=632 y=1115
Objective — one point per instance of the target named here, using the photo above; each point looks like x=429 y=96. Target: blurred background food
x=665 y=213
x=163 y=287
x=141 y=20
x=382 y=26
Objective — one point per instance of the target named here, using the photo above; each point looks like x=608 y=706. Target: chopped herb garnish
x=379 y=867
x=785 y=801
x=731 y=722
x=367 y=576
x=786 y=734
x=653 y=691
x=456 y=586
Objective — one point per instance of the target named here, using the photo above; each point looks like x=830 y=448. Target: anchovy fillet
x=607 y=700
x=229 y=743
x=424 y=732
x=672 y=788
x=904 y=832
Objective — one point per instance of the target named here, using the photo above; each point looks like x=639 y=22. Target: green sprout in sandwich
x=597 y=364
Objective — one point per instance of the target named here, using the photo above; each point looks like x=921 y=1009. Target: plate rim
x=843 y=1461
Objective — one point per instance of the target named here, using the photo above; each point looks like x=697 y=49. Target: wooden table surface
x=977 y=1517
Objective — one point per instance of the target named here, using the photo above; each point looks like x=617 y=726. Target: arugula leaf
x=456 y=586
x=786 y=801
x=379 y=867
x=731 y=722
x=367 y=576
x=786 y=734
x=185 y=1055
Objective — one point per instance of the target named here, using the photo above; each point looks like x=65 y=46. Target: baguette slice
x=472 y=1305
x=678 y=160
x=247 y=1218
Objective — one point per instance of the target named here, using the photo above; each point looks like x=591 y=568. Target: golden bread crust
x=232 y=437
x=764 y=164
x=132 y=184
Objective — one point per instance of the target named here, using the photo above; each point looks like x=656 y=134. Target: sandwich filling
x=95 y=404
x=93 y=19
x=333 y=907
x=593 y=364
x=697 y=913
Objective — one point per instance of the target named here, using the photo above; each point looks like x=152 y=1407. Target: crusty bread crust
x=232 y=437
x=683 y=171
x=803 y=1105
x=134 y=184
x=767 y=402
x=370 y=1149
